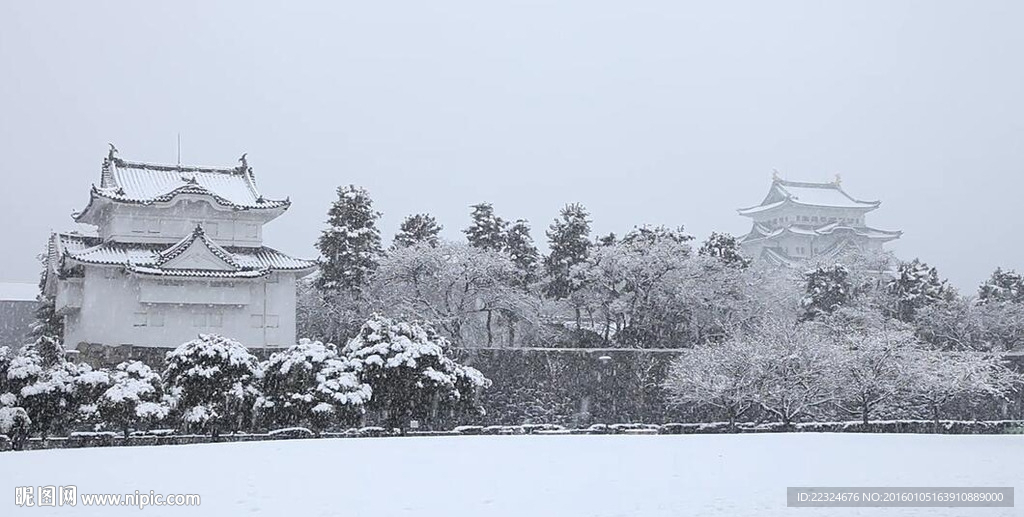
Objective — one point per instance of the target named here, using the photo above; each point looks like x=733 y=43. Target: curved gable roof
x=146 y=183
x=829 y=195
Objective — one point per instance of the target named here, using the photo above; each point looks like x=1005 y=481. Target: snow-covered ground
x=717 y=475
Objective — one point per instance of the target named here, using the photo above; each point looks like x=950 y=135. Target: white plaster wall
x=169 y=224
x=112 y=313
x=794 y=213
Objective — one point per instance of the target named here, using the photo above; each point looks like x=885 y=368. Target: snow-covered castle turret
x=798 y=221
x=178 y=251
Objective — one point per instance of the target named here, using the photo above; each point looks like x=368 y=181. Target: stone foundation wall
x=103 y=356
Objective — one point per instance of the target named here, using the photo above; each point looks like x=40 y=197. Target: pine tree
x=827 y=289
x=916 y=285
x=418 y=229
x=487 y=231
x=46 y=322
x=351 y=245
x=49 y=349
x=607 y=240
x=648 y=235
x=1002 y=286
x=569 y=241
x=520 y=247
x=724 y=247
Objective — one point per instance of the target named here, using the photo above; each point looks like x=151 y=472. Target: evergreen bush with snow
x=90 y=385
x=55 y=392
x=724 y=247
x=408 y=367
x=49 y=398
x=134 y=398
x=827 y=289
x=916 y=285
x=310 y=384
x=1003 y=286
x=212 y=383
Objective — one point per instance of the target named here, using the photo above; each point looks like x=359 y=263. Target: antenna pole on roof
x=179 y=149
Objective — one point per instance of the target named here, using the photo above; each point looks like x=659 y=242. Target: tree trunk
x=490 y=331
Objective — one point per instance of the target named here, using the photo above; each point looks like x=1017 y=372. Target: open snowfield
x=677 y=476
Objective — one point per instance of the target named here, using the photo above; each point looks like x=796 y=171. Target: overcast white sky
x=646 y=112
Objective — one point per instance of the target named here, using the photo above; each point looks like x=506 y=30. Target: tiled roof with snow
x=829 y=195
x=148 y=258
x=760 y=231
x=146 y=183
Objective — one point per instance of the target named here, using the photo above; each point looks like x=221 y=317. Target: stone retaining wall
x=896 y=426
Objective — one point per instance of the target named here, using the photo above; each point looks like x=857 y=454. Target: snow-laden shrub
x=408 y=367
x=13 y=419
x=49 y=397
x=310 y=384
x=6 y=356
x=89 y=387
x=827 y=289
x=133 y=397
x=23 y=369
x=212 y=381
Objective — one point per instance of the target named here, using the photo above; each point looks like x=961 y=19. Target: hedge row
x=167 y=437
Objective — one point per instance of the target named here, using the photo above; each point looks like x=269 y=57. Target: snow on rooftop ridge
x=18 y=291
x=125 y=164
x=90 y=250
x=820 y=194
x=146 y=183
x=823 y=194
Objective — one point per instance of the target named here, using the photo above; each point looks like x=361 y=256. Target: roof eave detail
x=867 y=207
x=89 y=214
x=248 y=274
x=763 y=208
x=170 y=198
